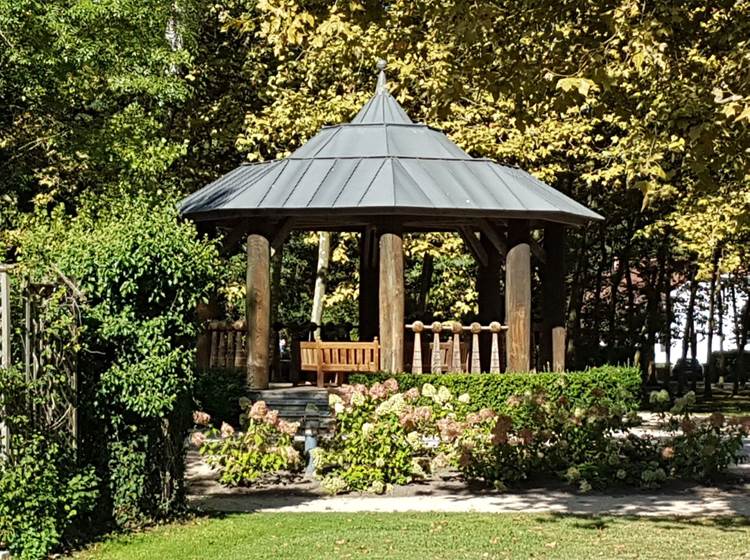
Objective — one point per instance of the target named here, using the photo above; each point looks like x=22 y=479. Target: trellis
x=49 y=357
x=5 y=335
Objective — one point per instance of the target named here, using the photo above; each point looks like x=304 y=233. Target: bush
x=621 y=385
x=383 y=437
x=264 y=446
x=592 y=446
x=142 y=272
x=218 y=393
x=44 y=495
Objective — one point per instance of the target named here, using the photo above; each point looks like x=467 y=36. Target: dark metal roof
x=382 y=163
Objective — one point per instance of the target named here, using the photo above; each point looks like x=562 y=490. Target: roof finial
x=382 y=85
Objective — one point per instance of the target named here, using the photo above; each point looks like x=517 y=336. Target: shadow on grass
x=734 y=524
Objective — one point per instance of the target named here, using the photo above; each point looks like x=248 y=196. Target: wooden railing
x=223 y=346
x=454 y=355
x=225 y=341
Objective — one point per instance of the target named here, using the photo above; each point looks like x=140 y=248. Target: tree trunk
x=425 y=283
x=324 y=256
x=720 y=326
x=668 y=307
x=739 y=365
x=574 y=303
x=741 y=325
x=596 y=313
x=688 y=331
x=711 y=324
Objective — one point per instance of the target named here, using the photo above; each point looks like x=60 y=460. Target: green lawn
x=429 y=536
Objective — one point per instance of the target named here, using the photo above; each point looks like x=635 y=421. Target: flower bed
x=385 y=435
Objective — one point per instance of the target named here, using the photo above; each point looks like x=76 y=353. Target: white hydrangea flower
x=415 y=440
x=443 y=395
x=428 y=390
x=464 y=398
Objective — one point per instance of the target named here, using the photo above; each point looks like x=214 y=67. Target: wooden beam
x=518 y=297
x=493 y=236
x=282 y=233
x=258 y=310
x=537 y=250
x=473 y=244
x=233 y=236
x=391 y=291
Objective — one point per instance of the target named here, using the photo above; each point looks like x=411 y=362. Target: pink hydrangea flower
x=201 y=418
x=272 y=417
x=391 y=385
x=378 y=391
x=412 y=394
x=288 y=428
x=197 y=439
x=226 y=430
x=487 y=414
x=258 y=410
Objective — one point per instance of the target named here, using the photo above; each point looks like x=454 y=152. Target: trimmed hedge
x=487 y=390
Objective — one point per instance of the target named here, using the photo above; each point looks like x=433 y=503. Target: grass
x=426 y=536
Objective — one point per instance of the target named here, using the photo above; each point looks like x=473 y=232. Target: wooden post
x=558 y=349
x=416 y=359
x=258 y=310
x=391 y=298
x=4 y=317
x=368 y=285
x=491 y=304
x=5 y=348
x=456 y=366
x=518 y=296
x=495 y=329
x=476 y=328
x=436 y=357
x=553 y=297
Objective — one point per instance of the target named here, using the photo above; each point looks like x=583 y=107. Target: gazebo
x=383 y=175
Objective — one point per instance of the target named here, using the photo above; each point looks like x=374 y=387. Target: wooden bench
x=339 y=358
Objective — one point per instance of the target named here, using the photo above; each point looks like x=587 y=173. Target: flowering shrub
x=701 y=449
x=383 y=437
x=591 y=446
x=265 y=445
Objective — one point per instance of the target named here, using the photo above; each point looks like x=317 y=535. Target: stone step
x=299 y=404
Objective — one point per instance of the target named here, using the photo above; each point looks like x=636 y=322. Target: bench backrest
x=340 y=356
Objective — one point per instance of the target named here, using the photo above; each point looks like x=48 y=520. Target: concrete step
x=298 y=404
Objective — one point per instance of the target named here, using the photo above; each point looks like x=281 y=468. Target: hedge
x=218 y=392
x=488 y=390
